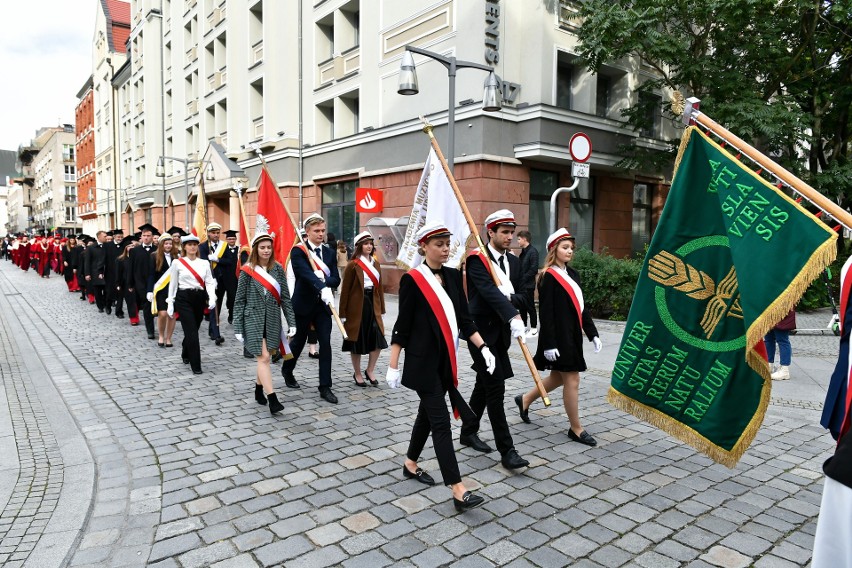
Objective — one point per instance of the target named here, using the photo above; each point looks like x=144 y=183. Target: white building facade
x=55 y=182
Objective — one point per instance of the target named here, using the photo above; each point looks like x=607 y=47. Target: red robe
x=44 y=251
x=24 y=256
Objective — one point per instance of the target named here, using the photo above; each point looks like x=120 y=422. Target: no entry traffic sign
x=580 y=147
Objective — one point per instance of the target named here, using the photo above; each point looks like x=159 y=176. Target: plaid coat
x=256 y=313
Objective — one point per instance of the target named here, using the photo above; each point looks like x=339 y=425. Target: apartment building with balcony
x=55 y=181
x=7 y=174
x=329 y=119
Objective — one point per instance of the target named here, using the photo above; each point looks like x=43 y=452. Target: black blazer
x=306 y=291
x=96 y=264
x=139 y=268
x=112 y=253
x=490 y=309
x=427 y=362
x=529 y=269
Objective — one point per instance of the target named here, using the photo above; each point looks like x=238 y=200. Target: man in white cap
x=315 y=268
x=213 y=250
x=499 y=323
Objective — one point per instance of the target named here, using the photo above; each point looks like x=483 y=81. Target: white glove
x=392 y=378
x=291 y=332
x=551 y=354
x=597 y=341
x=171 y=310
x=326 y=296
x=239 y=337
x=320 y=274
x=490 y=361
x=149 y=296
x=212 y=307
x=505 y=290
x=518 y=329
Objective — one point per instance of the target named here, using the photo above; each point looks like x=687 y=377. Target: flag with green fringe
x=730 y=257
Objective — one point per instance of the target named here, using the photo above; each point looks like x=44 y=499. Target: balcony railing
x=258 y=127
x=257 y=50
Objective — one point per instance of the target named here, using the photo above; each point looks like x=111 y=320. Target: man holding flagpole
x=213 y=250
x=315 y=268
x=498 y=322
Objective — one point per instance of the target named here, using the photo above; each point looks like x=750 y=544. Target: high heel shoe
x=373 y=381
x=258 y=394
x=355 y=378
x=274 y=406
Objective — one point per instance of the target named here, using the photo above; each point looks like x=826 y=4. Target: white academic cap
x=261 y=237
x=311 y=219
x=429 y=230
x=559 y=235
x=189 y=239
x=361 y=237
x=214 y=227
x=501 y=217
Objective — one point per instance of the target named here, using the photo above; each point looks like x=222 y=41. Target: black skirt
x=369 y=336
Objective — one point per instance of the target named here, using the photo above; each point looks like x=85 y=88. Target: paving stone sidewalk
x=189 y=471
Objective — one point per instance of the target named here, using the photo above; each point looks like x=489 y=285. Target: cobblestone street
x=115 y=454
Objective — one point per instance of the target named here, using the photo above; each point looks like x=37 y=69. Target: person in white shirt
x=191 y=288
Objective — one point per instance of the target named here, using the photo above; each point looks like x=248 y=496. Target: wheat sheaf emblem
x=723 y=299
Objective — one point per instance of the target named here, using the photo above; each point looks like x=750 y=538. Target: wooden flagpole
x=427 y=128
x=298 y=239
x=815 y=197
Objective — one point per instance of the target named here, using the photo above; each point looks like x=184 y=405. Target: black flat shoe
x=185 y=360
x=583 y=438
x=196 y=371
x=525 y=414
x=220 y=340
x=313 y=355
x=373 y=381
x=355 y=378
x=169 y=345
x=474 y=442
x=511 y=460
x=160 y=344
x=327 y=395
x=419 y=475
x=258 y=394
x=468 y=501
x=290 y=380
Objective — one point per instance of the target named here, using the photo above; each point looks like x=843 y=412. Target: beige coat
x=352 y=299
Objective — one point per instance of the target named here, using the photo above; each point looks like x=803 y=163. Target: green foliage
x=777 y=73
x=608 y=282
x=816 y=296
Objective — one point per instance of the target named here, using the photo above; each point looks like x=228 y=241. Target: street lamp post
x=160 y=171
x=491 y=99
x=110 y=190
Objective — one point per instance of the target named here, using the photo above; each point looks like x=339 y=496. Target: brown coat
x=352 y=299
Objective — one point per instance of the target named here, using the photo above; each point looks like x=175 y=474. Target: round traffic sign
x=580 y=147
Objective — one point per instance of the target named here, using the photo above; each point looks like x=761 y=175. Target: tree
x=778 y=73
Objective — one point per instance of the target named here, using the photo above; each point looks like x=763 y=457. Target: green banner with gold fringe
x=730 y=257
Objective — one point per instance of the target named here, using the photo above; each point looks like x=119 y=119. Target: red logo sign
x=369 y=200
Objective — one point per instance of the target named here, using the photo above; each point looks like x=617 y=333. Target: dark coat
x=306 y=292
x=489 y=308
x=559 y=327
x=352 y=299
x=96 y=264
x=226 y=269
x=427 y=362
x=112 y=253
x=529 y=269
x=139 y=268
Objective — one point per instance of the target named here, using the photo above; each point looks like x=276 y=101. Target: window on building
x=68 y=152
x=148 y=215
x=542 y=185
x=641 y=232
x=564 y=84
x=568 y=10
x=325 y=121
x=581 y=222
x=325 y=38
x=603 y=95
x=70 y=173
x=650 y=109
x=70 y=214
x=338 y=209
x=70 y=193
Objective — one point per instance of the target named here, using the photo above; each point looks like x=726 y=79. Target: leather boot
x=274 y=406
x=258 y=394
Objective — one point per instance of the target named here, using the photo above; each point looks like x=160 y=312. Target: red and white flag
x=273 y=217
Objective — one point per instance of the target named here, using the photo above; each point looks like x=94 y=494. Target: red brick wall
x=613 y=216
x=84 y=152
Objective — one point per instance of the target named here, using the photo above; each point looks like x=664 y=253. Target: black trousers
x=433 y=416
x=112 y=297
x=99 y=290
x=527 y=306
x=145 y=307
x=488 y=393
x=190 y=305
x=321 y=319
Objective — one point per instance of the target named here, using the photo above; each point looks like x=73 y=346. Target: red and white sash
x=272 y=286
x=193 y=272
x=315 y=261
x=845 y=290
x=572 y=288
x=445 y=313
x=493 y=268
x=369 y=270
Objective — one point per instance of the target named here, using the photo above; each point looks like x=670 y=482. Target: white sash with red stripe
x=369 y=270
x=445 y=312
x=315 y=261
x=272 y=286
x=572 y=288
x=845 y=290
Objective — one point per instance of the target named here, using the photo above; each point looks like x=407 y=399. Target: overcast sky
x=45 y=58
